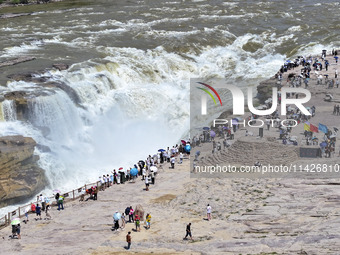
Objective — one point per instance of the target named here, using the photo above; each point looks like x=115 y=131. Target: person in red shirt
x=137 y=220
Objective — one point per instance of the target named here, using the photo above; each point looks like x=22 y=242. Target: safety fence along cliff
x=68 y=196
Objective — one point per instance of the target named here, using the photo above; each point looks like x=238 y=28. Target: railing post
x=85 y=186
x=5 y=220
x=19 y=212
x=9 y=218
x=73 y=195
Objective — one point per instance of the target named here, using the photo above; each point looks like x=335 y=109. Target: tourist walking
x=143 y=174
x=95 y=193
x=173 y=162
x=180 y=158
x=38 y=211
x=137 y=221
x=27 y=209
x=152 y=177
x=128 y=240
x=131 y=214
x=57 y=197
x=42 y=201
x=188 y=230
x=60 y=203
x=123 y=221
x=147 y=183
x=148 y=220
x=16 y=231
x=47 y=210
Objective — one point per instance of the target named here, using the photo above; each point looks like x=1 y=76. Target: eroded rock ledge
x=20 y=176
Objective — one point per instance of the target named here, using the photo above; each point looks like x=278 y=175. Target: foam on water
x=23 y=48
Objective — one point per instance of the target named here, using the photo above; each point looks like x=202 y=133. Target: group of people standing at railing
x=43 y=204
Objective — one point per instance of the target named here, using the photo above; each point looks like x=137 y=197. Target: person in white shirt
x=208 y=212
x=147 y=183
x=158 y=158
x=42 y=201
x=27 y=209
x=172 y=162
x=168 y=154
x=180 y=158
x=105 y=181
x=102 y=182
x=118 y=178
x=144 y=173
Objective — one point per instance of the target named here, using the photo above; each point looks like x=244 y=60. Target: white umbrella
x=153 y=168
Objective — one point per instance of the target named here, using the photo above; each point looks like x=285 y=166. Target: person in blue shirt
x=38 y=211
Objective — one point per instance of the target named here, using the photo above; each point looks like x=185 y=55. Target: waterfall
x=9 y=110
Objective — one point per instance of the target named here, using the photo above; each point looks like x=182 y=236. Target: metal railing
x=68 y=196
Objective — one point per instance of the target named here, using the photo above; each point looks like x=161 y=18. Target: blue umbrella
x=134 y=171
x=323 y=144
x=187 y=148
x=206 y=128
x=161 y=150
x=198 y=153
x=117 y=216
x=212 y=133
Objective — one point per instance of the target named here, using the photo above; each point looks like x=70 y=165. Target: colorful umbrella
x=206 y=128
x=15 y=221
x=183 y=142
x=212 y=133
x=187 y=148
x=161 y=150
